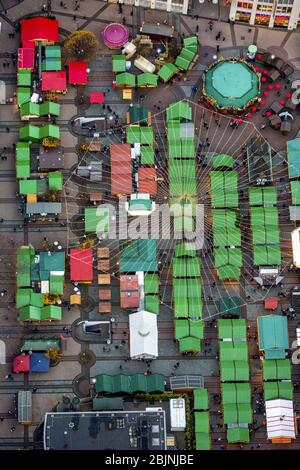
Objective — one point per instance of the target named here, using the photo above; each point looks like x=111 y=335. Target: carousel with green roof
x=231 y=85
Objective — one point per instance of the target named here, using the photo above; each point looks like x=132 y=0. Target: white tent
x=143 y=335
x=296 y=246
x=280 y=419
x=2 y=352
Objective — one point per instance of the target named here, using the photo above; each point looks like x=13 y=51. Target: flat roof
x=51 y=158
x=157 y=29
x=43 y=208
x=120 y=430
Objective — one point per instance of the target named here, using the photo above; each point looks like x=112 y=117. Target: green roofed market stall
x=237 y=434
x=200 y=399
x=125 y=80
x=167 y=72
x=24 y=77
x=222 y=160
x=96 y=219
x=130 y=384
x=273 y=336
x=277 y=390
x=263 y=196
x=118 y=63
x=293 y=152
x=277 y=369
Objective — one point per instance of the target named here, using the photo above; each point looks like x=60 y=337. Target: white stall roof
x=143 y=335
x=280 y=419
x=177 y=414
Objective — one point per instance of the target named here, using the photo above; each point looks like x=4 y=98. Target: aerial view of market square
x=149 y=203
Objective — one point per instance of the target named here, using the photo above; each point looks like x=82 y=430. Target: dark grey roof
x=96 y=430
x=52 y=158
x=43 y=208
x=157 y=30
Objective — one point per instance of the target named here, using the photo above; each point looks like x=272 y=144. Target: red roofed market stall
x=26 y=58
x=81 y=265
x=78 y=72
x=121 y=179
x=97 y=97
x=39 y=29
x=21 y=363
x=147 y=180
x=54 y=81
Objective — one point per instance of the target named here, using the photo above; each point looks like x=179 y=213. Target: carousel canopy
x=231 y=84
x=115 y=35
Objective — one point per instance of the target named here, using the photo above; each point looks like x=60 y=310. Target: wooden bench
x=103 y=279
x=103 y=265
x=104 y=294
x=103 y=252
x=104 y=307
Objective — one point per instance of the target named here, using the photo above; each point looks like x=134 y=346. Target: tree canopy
x=80 y=45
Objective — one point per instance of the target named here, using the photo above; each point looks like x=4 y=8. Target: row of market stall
x=149 y=78
x=293 y=151
x=277 y=378
x=39 y=64
x=133 y=170
x=187 y=298
x=265 y=226
x=186 y=268
x=234 y=372
x=277 y=384
x=201 y=419
x=40 y=284
x=226 y=231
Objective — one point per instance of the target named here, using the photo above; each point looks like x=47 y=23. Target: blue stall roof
x=39 y=362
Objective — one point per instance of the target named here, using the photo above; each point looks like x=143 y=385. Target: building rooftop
x=130 y=430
